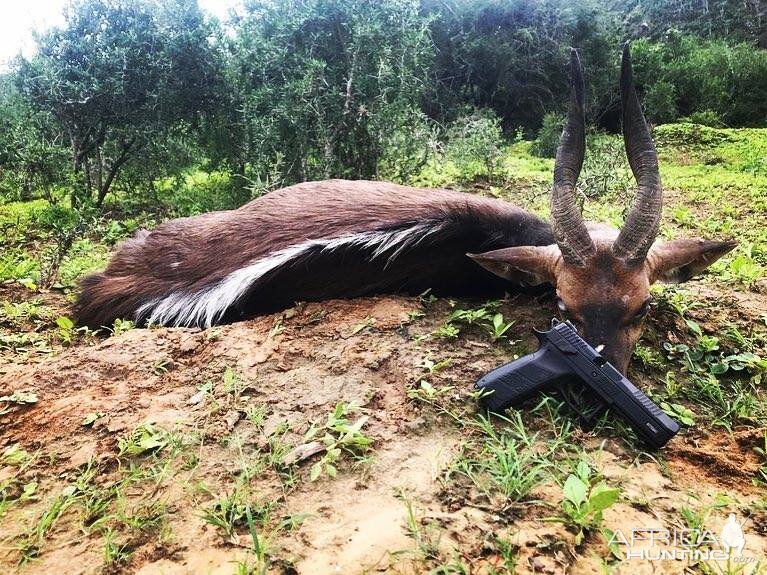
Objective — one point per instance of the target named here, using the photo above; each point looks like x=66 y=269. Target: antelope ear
x=679 y=260
x=526 y=265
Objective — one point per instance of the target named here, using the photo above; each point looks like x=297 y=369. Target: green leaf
x=602 y=497
x=20 y=397
x=694 y=327
x=583 y=471
x=29 y=490
x=680 y=412
x=718 y=368
x=614 y=548
x=28 y=283
x=65 y=323
x=575 y=490
x=91 y=418
x=314 y=474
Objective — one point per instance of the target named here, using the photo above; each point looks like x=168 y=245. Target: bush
x=545 y=144
x=689 y=136
x=197 y=192
x=705 y=118
x=605 y=169
x=407 y=146
x=685 y=75
x=474 y=143
x=660 y=103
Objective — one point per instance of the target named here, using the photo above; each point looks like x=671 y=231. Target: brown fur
x=189 y=254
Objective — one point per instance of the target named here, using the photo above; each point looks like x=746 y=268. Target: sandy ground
x=295 y=367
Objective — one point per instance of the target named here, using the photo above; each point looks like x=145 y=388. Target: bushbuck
x=342 y=239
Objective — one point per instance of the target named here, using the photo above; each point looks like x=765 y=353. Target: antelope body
x=335 y=238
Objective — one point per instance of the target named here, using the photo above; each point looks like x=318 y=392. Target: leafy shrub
x=585 y=497
x=688 y=75
x=545 y=144
x=605 y=167
x=660 y=102
x=16 y=264
x=197 y=192
x=84 y=257
x=689 y=136
x=406 y=149
x=705 y=118
x=474 y=144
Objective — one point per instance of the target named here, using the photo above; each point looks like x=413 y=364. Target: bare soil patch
x=376 y=515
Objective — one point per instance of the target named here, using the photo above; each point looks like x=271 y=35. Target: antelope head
x=602 y=275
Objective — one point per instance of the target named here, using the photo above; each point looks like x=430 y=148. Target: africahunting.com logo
x=691 y=544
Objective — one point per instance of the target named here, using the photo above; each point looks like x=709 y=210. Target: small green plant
x=447 y=331
x=258 y=550
x=92 y=418
x=66 y=330
x=15 y=455
x=492 y=321
x=142 y=440
x=339 y=434
x=650 y=357
x=584 y=500
x=114 y=553
x=433 y=367
x=498 y=326
x=425 y=536
x=17 y=398
x=161 y=366
x=17 y=312
x=32 y=541
x=679 y=412
x=672 y=384
x=367 y=323
x=427 y=393
x=120 y=326
x=231 y=512
x=503 y=460
x=744 y=270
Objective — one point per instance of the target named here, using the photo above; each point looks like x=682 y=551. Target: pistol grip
x=514 y=382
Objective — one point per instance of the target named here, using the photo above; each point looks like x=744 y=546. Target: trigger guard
x=540 y=335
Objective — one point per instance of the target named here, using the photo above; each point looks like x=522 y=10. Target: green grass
x=506 y=458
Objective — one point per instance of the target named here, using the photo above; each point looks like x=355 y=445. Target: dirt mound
x=188 y=451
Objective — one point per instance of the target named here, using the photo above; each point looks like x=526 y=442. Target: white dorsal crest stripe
x=206 y=307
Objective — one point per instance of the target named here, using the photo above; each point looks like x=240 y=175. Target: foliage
x=322 y=87
x=686 y=74
x=545 y=144
x=605 y=168
x=504 y=459
x=117 y=77
x=585 y=497
x=339 y=435
x=474 y=144
x=32 y=156
x=144 y=439
x=139 y=98
x=704 y=118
